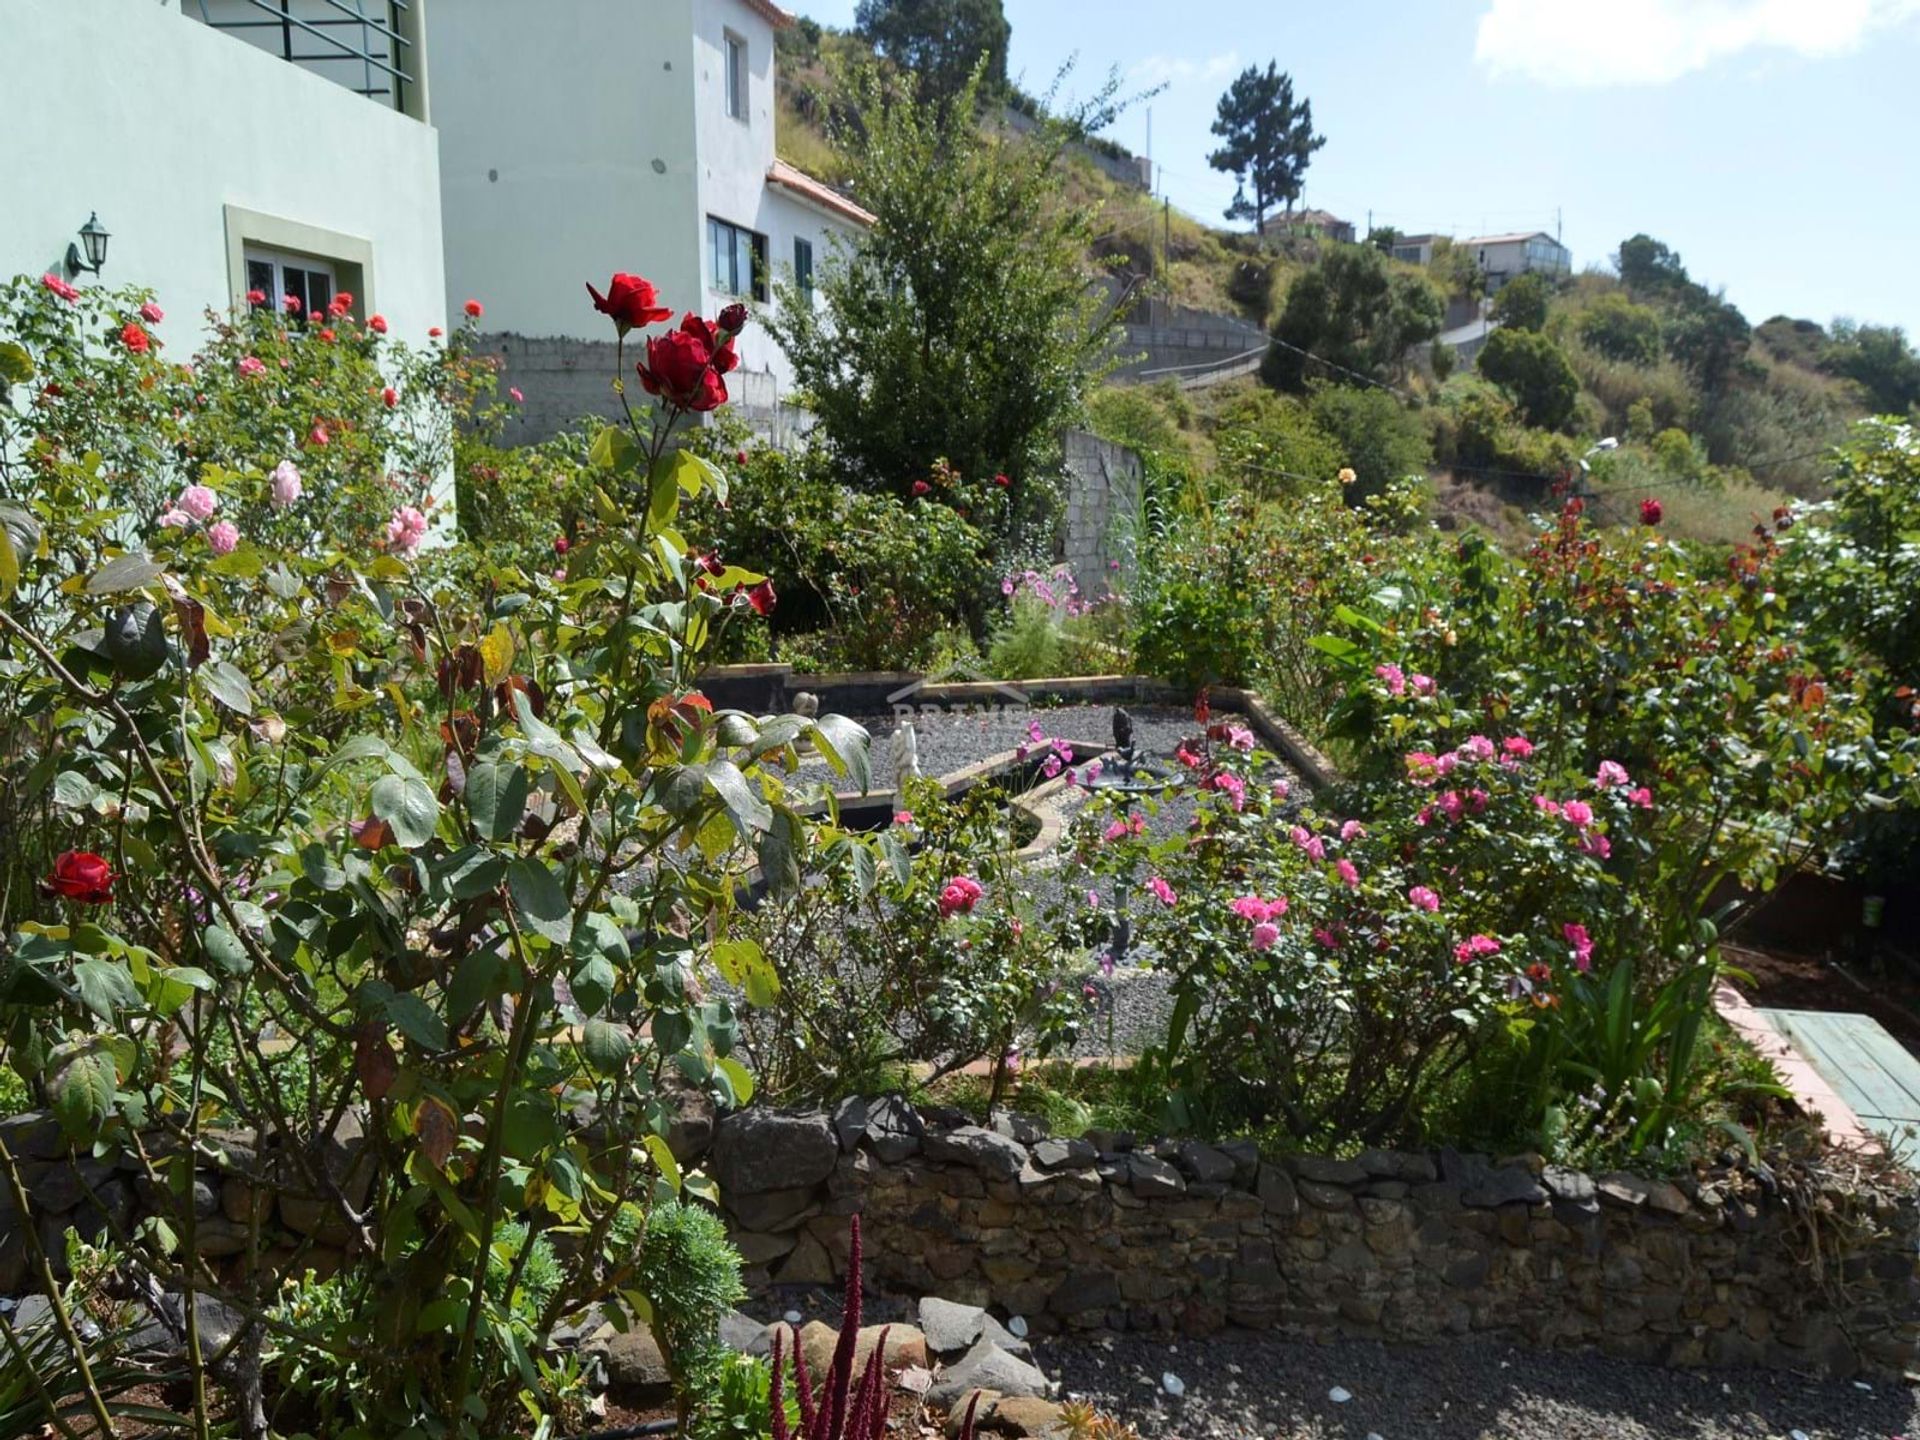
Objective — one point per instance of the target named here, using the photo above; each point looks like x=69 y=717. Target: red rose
x=560 y=545
x=717 y=338
x=135 y=339
x=1650 y=512
x=739 y=457
x=256 y=297
x=391 y=396
x=630 y=302
x=1002 y=481
x=340 y=304
x=378 y=324
x=710 y=564
x=733 y=319
x=433 y=332
x=80 y=875
x=921 y=487
x=328 y=335
x=684 y=369
x=761 y=598
x=475 y=309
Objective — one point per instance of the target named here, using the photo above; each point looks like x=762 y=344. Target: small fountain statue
x=806 y=704
x=906 y=762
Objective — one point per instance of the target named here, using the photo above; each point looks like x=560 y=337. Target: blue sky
x=1774 y=143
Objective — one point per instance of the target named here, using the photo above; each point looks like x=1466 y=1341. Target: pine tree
x=1269 y=142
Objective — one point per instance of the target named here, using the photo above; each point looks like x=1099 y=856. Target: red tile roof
x=790 y=177
x=767 y=10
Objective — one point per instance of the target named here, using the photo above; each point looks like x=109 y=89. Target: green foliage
x=1710 y=338
x=1048 y=630
x=324 y=784
x=941 y=42
x=515 y=501
x=960 y=326
x=1354 y=310
x=690 y=1275
x=1270 y=444
x=1380 y=440
x=1648 y=267
x=1617 y=328
x=1878 y=359
x=1268 y=142
x=1476 y=425
x=1534 y=371
x=1522 y=302
x=866 y=581
x=1151 y=419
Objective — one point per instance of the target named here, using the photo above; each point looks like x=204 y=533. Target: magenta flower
x=1595 y=844
x=1264 y=935
x=1352 y=830
x=1517 y=746
x=1451 y=805
x=406 y=530
x=252 y=365
x=1395 y=677
x=1609 y=775
x=903 y=817
x=1280 y=790
x=1478 y=747
x=1546 y=806
x=1163 y=892
x=1349 y=874
x=1240 y=738
x=152 y=313
x=1642 y=796
x=1582 y=944
x=60 y=287
x=1577 y=813
x=223 y=536
x=959 y=895
x=284 y=485
x=1422 y=898
x=1474 y=948
x=1422 y=766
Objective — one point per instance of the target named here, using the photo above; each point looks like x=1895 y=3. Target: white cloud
x=1169 y=69
x=1649 y=42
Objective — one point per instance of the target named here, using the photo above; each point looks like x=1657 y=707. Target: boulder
x=1064 y=1154
x=1027 y=1129
x=758 y=1150
x=894 y=1129
x=1030 y=1416
x=950 y=1329
x=905 y=1346
x=636 y=1370
x=850 y=1119
x=987 y=1367
x=690 y=1126
x=769 y=1210
x=1151 y=1176
x=1204 y=1163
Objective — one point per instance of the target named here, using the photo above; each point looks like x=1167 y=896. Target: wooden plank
x=1872 y=1071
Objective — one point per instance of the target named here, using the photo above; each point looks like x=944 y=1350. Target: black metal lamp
x=94 y=236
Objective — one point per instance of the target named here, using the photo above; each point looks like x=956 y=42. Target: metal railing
x=383 y=76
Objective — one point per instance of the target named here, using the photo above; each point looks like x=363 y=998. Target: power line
x=1341 y=369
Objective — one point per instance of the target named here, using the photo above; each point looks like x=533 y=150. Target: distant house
x=1526 y=252
x=1322 y=222
x=1415 y=249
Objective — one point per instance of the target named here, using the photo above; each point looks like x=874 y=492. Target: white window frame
x=734 y=66
x=803 y=274
x=738 y=238
x=280 y=262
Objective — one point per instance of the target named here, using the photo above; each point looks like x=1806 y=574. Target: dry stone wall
x=1103 y=1233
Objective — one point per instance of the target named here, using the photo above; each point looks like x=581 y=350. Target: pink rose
x=175 y=519
x=1423 y=684
x=1162 y=891
x=1422 y=898
x=284 y=484
x=252 y=365
x=1475 y=947
x=1546 y=806
x=1609 y=775
x=1582 y=944
x=1349 y=875
x=198 y=501
x=1518 y=746
x=1478 y=747
x=1643 y=797
x=405 y=530
x=1394 y=676
x=152 y=313
x=1264 y=935
x=60 y=287
x=1352 y=830
x=1577 y=813
x=223 y=536
x=1280 y=790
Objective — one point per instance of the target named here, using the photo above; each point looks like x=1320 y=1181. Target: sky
x=1775 y=144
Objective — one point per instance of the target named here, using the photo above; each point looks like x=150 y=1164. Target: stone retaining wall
x=1102 y=1233
x=1722 y=1268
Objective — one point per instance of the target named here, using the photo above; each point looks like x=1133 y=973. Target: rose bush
x=473 y=850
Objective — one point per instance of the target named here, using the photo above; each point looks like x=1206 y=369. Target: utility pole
x=1166 y=241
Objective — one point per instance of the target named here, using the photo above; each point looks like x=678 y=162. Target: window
x=736 y=76
x=803 y=267
x=736 y=259
x=1407 y=252
x=309 y=280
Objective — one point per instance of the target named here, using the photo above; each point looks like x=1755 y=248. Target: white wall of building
x=163 y=126
x=567 y=152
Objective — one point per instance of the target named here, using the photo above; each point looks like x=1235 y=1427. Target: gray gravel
x=1279 y=1390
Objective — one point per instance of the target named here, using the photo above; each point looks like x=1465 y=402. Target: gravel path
x=1280 y=1390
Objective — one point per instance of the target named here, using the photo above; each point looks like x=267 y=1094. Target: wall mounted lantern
x=94 y=236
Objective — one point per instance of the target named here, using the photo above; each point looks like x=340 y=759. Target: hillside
x=1727 y=432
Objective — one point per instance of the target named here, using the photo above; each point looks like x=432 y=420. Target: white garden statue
x=906 y=762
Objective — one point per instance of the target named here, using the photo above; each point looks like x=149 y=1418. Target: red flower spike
x=776 y=1397
x=802 y=1386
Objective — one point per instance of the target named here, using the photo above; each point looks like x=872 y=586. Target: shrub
x=1354 y=311
x=1532 y=369
x=1381 y=440
x=1616 y=328
x=397 y=816
x=1272 y=445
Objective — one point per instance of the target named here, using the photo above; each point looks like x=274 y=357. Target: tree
x=939 y=41
x=1351 y=310
x=1522 y=302
x=1878 y=359
x=1621 y=330
x=1648 y=267
x=1269 y=142
x=1709 y=336
x=1383 y=238
x=1455 y=270
x=1532 y=369
x=961 y=325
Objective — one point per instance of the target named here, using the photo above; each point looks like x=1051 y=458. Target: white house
x=224 y=145
x=1414 y=249
x=1501 y=257
x=632 y=135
